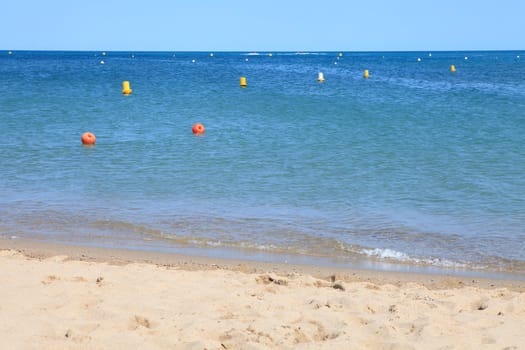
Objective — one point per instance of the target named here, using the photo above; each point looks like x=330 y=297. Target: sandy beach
x=69 y=297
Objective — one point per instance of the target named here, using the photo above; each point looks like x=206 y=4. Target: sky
x=262 y=25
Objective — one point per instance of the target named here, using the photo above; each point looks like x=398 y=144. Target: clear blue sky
x=265 y=25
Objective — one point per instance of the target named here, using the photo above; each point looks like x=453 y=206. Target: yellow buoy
x=243 y=82
x=366 y=74
x=340 y=54
x=453 y=68
x=126 y=90
x=270 y=54
x=320 y=77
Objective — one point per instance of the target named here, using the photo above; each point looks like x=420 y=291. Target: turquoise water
x=414 y=166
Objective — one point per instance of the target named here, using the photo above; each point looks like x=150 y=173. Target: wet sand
x=60 y=297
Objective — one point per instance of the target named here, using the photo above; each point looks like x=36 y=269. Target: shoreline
x=114 y=256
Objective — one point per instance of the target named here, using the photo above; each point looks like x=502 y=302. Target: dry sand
x=60 y=297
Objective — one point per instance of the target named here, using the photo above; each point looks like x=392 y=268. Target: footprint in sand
x=140 y=321
x=50 y=279
x=267 y=279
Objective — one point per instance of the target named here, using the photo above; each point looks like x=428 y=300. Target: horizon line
x=256 y=51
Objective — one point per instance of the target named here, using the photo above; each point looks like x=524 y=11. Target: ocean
x=414 y=168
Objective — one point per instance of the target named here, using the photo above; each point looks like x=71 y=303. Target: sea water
x=414 y=166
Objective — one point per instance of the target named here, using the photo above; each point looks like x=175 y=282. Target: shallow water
x=416 y=165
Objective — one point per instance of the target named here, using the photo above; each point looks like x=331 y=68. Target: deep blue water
x=415 y=165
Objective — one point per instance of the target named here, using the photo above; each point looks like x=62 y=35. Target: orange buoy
x=88 y=138
x=198 y=129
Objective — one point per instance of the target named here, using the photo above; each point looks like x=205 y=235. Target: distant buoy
x=366 y=74
x=246 y=60
x=10 y=53
x=340 y=54
x=452 y=68
x=103 y=54
x=518 y=56
x=211 y=54
x=335 y=62
x=192 y=61
x=270 y=54
x=88 y=138
x=430 y=54
x=419 y=59
x=242 y=82
x=320 y=77
x=466 y=58
x=126 y=90
x=132 y=56
x=102 y=62
x=198 y=129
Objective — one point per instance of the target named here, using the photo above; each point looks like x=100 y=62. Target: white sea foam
x=312 y=53
x=389 y=254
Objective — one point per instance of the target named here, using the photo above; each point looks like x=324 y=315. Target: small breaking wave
x=322 y=248
x=396 y=256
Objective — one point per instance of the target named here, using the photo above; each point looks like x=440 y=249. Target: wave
x=311 y=53
x=297 y=53
x=324 y=248
x=396 y=256
x=252 y=236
